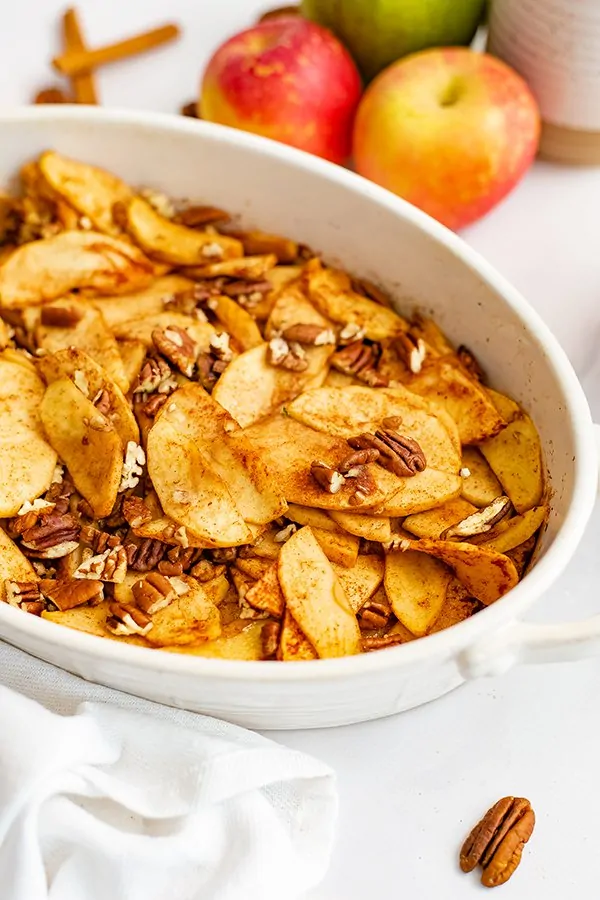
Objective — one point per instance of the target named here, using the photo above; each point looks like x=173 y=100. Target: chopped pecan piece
x=178 y=347
x=19 y=593
x=269 y=637
x=360 y=360
x=136 y=512
x=52 y=533
x=375 y=615
x=350 y=333
x=98 y=540
x=219 y=347
x=313 y=335
x=496 y=843
x=154 y=404
x=204 y=570
x=71 y=593
x=152 y=593
x=287 y=356
x=186 y=556
x=133 y=466
x=412 y=350
x=60 y=316
x=145 y=555
x=470 y=363
x=126 y=619
x=154 y=374
x=379 y=643
x=168 y=568
x=224 y=554
x=108 y=566
x=360 y=458
x=102 y=402
x=326 y=476
x=247 y=289
x=399 y=454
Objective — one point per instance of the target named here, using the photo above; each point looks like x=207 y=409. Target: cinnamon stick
x=83 y=84
x=77 y=61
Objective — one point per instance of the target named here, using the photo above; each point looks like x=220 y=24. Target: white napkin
x=108 y=797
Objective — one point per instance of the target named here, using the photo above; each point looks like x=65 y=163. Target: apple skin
x=286 y=79
x=450 y=130
x=378 y=32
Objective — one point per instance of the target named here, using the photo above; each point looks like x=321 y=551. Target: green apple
x=378 y=32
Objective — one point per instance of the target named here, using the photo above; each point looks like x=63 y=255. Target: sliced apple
x=515 y=457
x=190 y=618
x=250 y=268
x=339 y=547
x=237 y=321
x=27 y=460
x=40 y=271
x=147 y=302
x=416 y=588
x=361 y=581
x=169 y=242
x=432 y=523
x=518 y=530
x=86 y=441
x=480 y=485
x=266 y=594
x=424 y=491
x=458 y=606
x=315 y=598
x=245 y=644
x=294 y=646
x=141 y=329
x=371 y=528
x=14 y=565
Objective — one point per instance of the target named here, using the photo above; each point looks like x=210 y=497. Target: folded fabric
x=108 y=797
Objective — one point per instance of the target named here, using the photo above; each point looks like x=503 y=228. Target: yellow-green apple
x=286 y=79
x=450 y=130
x=378 y=32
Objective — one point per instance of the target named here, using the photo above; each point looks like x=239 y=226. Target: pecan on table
x=71 y=593
x=496 y=843
x=360 y=360
x=178 y=347
x=399 y=454
x=153 y=593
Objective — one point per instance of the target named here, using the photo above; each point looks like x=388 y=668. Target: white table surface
x=412 y=786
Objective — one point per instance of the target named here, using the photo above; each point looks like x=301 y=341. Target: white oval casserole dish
x=375 y=235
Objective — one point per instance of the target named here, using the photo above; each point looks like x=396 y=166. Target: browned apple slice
x=416 y=588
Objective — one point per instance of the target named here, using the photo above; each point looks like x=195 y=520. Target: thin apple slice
x=458 y=606
x=251 y=389
x=250 y=268
x=266 y=594
x=361 y=581
x=90 y=620
x=416 y=588
x=189 y=489
x=291 y=307
x=133 y=354
x=347 y=412
x=371 y=528
x=330 y=290
x=424 y=491
x=522 y=555
x=27 y=460
x=169 y=242
x=237 y=321
x=257 y=242
x=147 y=302
x=316 y=518
x=86 y=442
x=518 y=530
x=245 y=644
x=294 y=646
x=315 y=598
x=515 y=457
x=14 y=565
x=485 y=573
x=86 y=374
x=339 y=547
x=89 y=190
x=288 y=449
x=195 y=414
x=141 y=329
x=480 y=485
x=434 y=522
x=505 y=405
x=189 y=619
x=253 y=566
x=40 y=271
x=88 y=333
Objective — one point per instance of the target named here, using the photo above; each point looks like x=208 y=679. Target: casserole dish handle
x=529 y=642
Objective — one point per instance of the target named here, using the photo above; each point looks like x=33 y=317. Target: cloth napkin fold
x=109 y=797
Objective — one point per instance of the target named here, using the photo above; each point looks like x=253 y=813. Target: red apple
x=450 y=130
x=286 y=79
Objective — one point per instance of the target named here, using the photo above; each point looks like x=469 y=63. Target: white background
x=411 y=787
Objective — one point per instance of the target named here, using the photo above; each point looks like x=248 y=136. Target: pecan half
x=360 y=360
x=178 y=347
x=247 y=289
x=136 y=512
x=108 y=566
x=380 y=643
x=375 y=615
x=145 y=555
x=399 y=454
x=470 y=363
x=98 y=540
x=496 y=843
x=154 y=373
x=69 y=594
x=412 y=350
x=326 y=476
x=480 y=522
x=152 y=593
x=126 y=619
x=52 y=532
x=23 y=594
x=60 y=316
x=313 y=335
x=154 y=404
x=287 y=356
x=360 y=458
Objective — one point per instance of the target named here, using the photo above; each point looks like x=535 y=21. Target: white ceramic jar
x=555 y=46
